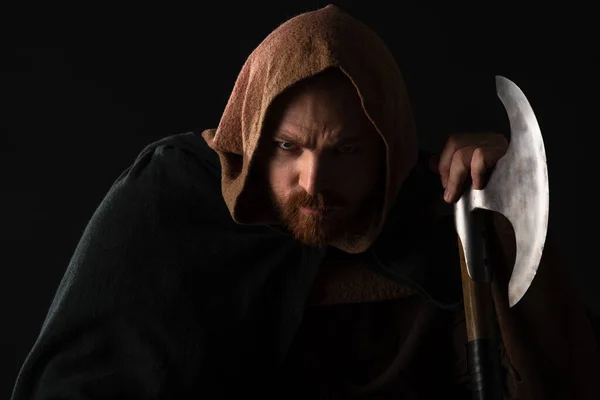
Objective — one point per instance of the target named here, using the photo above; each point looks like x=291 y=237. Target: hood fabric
x=298 y=49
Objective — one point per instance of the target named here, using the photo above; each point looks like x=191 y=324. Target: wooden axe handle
x=482 y=346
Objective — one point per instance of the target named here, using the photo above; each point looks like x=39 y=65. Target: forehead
x=326 y=102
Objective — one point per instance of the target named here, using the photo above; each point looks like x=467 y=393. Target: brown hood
x=300 y=48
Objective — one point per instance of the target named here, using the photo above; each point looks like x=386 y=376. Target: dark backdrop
x=113 y=80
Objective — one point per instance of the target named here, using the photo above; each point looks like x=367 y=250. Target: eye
x=285 y=145
x=347 y=149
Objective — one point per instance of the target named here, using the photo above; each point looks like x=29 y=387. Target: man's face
x=324 y=161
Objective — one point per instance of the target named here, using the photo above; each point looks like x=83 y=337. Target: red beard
x=314 y=229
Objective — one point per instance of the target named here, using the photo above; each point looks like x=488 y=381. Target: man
x=301 y=249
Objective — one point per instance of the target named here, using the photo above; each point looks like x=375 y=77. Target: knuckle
x=478 y=155
x=478 y=164
x=458 y=171
x=452 y=141
x=461 y=155
x=498 y=138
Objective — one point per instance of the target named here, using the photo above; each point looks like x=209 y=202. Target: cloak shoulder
x=155 y=302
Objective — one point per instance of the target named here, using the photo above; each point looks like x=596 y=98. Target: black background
x=113 y=80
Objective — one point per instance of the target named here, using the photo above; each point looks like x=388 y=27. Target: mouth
x=314 y=211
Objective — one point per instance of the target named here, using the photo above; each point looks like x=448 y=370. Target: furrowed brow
x=349 y=139
x=288 y=136
x=301 y=139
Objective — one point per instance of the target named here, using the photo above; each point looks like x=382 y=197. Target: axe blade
x=518 y=189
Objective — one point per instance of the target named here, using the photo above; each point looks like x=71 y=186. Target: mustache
x=320 y=201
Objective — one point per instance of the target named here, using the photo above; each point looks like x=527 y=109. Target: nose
x=312 y=173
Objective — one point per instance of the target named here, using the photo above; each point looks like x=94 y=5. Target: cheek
x=280 y=180
x=366 y=168
x=365 y=176
x=357 y=180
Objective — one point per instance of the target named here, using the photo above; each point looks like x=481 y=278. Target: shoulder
x=178 y=157
x=178 y=176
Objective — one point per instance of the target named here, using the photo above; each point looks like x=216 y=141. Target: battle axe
x=518 y=189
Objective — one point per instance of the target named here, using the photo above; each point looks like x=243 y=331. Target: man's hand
x=468 y=154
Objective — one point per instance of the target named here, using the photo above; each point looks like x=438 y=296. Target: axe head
x=516 y=188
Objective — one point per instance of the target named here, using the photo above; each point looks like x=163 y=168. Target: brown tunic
x=366 y=337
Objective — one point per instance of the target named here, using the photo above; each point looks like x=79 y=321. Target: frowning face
x=324 y=160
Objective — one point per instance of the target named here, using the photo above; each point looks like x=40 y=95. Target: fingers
x=478 y=168
x=445 y=159
x=481 y=162
x=467 y=156
x=469 y=162
x=457 y=174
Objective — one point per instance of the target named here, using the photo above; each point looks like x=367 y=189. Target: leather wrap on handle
x=483 y=354
x=484 y=368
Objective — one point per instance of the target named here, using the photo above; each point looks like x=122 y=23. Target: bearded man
x=301 y=249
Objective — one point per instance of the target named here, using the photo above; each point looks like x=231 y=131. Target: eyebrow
x=284 y=134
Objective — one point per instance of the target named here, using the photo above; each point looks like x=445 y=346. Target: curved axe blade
x=518 y=189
